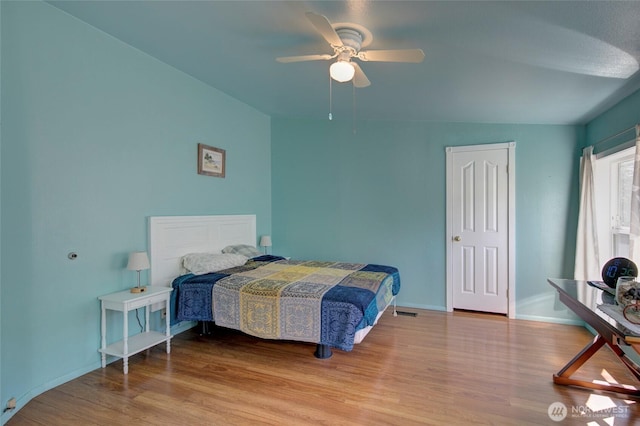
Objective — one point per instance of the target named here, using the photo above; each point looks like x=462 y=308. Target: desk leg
x=582 y=357
x=563 y=377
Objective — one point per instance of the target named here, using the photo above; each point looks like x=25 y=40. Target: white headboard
x=171 y=237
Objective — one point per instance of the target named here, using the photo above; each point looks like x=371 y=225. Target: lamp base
x=138 y=289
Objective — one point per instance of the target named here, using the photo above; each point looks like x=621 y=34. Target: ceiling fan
x=346 y=41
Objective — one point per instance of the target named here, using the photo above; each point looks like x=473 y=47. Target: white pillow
x=204 y=263
x=243 y=249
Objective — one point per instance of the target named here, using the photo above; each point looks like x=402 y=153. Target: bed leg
x=204 y=328
x=395 y=312
x=323 y=351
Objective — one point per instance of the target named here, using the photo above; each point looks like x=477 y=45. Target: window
x=621 y=216
x=613 y=176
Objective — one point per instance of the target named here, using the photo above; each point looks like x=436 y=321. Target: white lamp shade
x=138 y=261
x=341 y=71
x=265 y=241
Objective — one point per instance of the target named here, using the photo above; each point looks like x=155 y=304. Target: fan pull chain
x=330 y=100
x=353 y=125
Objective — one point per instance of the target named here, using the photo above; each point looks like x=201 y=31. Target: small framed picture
x=211 y=161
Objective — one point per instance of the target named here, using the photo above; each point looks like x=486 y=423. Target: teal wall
x=624 y=115
x=96 y=137
x=378 y=196
x=1 y=93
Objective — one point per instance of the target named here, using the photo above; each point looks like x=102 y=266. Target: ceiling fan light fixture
x=341 y=71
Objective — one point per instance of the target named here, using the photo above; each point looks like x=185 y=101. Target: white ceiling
x=543 y=62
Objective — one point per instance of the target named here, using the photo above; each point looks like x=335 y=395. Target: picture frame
x=211 y=161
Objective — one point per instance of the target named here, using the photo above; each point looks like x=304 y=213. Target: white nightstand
x=125 y=301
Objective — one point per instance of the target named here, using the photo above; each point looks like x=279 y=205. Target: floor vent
x=407 y=314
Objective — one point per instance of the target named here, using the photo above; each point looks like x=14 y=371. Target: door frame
x=511 y=215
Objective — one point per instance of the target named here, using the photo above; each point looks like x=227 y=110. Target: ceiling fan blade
x=325 y=29
x=359 y=78
x=399 y=55
x=287 y=59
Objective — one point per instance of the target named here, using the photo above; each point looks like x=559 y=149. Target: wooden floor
x=436 y=368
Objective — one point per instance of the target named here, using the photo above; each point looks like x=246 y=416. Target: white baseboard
x=565 y=321
x=24 y=399
x=419 y=306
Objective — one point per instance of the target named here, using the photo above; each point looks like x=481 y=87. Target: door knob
x=457 y=238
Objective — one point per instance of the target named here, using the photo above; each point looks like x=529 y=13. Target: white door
x=480 y=212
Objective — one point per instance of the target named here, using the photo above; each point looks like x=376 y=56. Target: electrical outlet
x=11 y=404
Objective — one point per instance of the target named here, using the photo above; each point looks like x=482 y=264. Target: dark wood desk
x=610 y=332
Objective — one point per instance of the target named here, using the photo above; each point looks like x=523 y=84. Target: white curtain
x=587 y=266
x=634 y=238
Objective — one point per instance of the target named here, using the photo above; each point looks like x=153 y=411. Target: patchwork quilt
x=274 y=298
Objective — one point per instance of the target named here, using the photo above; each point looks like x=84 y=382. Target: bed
x=332 y=304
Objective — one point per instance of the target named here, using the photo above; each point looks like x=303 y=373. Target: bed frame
x=171 y=237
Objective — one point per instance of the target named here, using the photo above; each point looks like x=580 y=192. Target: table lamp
x=138 y=261
x=265 y=241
